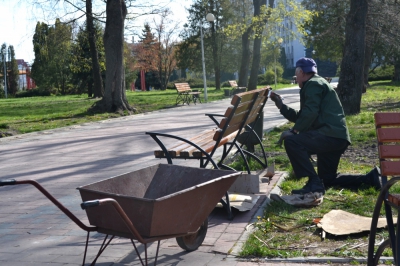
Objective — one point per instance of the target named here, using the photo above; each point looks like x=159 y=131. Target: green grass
x=24 y=115
x=286 y=231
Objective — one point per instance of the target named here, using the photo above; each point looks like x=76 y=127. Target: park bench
x=245 y=109
x=388 y=135
x=185 y=94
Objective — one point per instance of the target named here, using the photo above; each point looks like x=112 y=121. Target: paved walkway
x=34 y=232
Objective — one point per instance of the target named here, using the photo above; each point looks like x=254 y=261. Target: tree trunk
x=367 y=64
x=351 y=80
x=114 y=99
x=98 y=81
x=217 y=70
x=255 y=66
x=396 y=76
x=369 y=42
x=245 y=62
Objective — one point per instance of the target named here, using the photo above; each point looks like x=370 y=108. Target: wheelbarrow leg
x=87 y=242
x=227 y=205
x=158 y=247
x=145 y=253
x=102 y=248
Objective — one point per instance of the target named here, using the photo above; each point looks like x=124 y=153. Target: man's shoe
x=314 y=184
x=375 y=177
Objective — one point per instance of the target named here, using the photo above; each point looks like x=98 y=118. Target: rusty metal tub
x=160 y=200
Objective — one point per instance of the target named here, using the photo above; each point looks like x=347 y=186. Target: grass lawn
x=286 y=231
x=24 y=115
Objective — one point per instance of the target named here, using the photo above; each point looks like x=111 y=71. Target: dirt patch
x=7 y=133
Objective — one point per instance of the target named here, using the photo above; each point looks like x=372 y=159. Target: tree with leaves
x=166 y=61
x=216 y=43
x=146 y=51
x=13 y=74
x=39 y=72
x=263 y=24
x=81 y=60
x=52 y=44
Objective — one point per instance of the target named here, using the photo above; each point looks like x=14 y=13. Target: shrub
x=381 y=73
x=32 y=93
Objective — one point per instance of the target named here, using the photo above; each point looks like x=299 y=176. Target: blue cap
x=307 y=65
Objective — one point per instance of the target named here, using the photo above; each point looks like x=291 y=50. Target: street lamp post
x=210 y=17
x=279 y=41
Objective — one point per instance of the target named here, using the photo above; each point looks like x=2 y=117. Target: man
x=320 y=128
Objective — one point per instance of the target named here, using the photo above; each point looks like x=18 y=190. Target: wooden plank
x=390 y=168
x=388 y=134
x=389 y=151
x=387 y=119
x=175 y=149
x=394 y=198
x=201 y=143
x=211 y=147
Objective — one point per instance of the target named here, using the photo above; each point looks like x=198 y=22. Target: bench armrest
x=212 y=116
x=156 y=135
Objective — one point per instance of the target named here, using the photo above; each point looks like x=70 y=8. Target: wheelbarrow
x=148 y=205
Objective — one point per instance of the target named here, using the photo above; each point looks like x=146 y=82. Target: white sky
x=18 y=21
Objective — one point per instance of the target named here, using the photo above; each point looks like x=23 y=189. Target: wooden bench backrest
x=182 y=87
x=388 y=135
x=245 y=109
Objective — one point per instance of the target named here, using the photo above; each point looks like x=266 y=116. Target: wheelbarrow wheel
x=193 y=241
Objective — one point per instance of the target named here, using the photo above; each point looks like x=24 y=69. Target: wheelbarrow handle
x=8 y=182
x=89 y=203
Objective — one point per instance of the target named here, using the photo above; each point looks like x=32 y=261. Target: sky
x=18 y=20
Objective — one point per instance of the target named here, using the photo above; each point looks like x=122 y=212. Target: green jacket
x=320 y=109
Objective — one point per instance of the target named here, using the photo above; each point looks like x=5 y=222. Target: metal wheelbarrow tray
x=151 y=204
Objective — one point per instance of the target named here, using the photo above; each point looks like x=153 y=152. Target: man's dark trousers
x=328 y=150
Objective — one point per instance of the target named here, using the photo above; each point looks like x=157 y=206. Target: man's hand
x=284 y=135
x=276 y=98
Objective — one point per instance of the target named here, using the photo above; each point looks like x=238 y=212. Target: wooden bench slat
x=389 y=151
x=387 y=119
x=174 y=150
x=211 y=147
x=390 y=168
x=388 y=134
x=201 y=143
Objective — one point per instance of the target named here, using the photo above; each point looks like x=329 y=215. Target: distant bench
x=185 y=94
